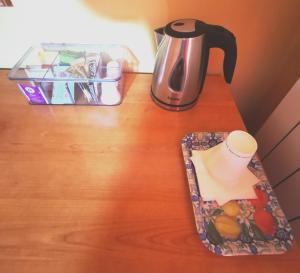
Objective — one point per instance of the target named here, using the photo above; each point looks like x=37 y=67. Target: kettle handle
x=222 y=38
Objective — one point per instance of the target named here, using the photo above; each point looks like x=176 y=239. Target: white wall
x=33 y=21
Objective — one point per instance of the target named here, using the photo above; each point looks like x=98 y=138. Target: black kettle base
x=172 y=107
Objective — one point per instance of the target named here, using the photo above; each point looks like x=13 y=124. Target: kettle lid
x=185 y=28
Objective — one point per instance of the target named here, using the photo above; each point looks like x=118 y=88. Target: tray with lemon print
x=239 y=227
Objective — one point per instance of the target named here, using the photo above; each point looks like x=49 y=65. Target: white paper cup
x=229 y=159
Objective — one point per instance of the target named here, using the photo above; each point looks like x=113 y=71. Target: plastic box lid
x=70 y=62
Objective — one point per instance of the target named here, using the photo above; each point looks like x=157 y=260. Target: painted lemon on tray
x=227 y=227
x=231 y=208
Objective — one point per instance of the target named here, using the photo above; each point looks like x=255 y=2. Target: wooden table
x=104 y=189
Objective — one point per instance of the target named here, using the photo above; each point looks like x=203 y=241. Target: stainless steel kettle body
x=181 y=61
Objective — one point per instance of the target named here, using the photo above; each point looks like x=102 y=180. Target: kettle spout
x=159 y=35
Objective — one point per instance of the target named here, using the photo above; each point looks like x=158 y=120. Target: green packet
x=68 y=56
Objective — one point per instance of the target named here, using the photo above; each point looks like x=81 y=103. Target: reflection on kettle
x=182 y=58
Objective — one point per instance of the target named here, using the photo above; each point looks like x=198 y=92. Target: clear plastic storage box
x=71 y=74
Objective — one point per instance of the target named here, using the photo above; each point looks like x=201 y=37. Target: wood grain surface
x=104 y=189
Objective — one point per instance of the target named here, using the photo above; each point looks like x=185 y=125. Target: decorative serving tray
x=239 y=227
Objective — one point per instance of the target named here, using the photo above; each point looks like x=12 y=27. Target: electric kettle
x=182 y=58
